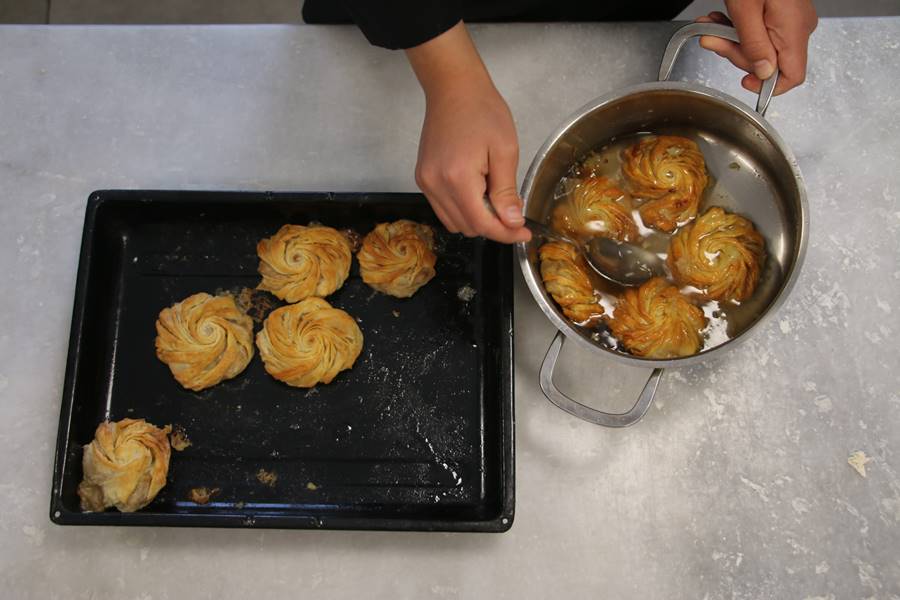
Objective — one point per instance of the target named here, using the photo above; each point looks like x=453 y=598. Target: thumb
x=502 y=186
x=756 y=46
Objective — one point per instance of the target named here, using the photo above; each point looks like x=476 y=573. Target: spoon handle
x=539 y=229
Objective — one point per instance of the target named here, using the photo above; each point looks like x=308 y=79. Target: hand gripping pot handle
x=716 y=30
x=587 y=413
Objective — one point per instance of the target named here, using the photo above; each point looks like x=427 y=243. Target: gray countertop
x=736 y=483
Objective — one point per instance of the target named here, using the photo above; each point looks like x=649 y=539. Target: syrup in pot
x=725 y=320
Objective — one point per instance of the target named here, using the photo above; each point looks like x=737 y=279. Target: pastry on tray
x=593 y=206
x=125 y=465
x=398 y=258
x=565 y=275
x=657 y=321
x=302 y=261
x=308 y=343
x=669 y=173
x=204 y=340
x=720 y=253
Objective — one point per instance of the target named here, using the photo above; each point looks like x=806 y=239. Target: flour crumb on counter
x=34 y=535
x=858 y=460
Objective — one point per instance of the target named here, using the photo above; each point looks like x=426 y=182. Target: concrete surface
x=735 y=485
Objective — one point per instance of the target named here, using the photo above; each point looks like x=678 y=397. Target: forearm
x=448 y=62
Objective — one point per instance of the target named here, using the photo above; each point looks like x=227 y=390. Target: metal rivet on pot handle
x=587 y=413
x=716 y=30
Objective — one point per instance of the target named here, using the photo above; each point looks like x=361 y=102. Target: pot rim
x=536 y=287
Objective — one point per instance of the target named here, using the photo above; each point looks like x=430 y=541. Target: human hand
x=772 y=33
x=468 y=146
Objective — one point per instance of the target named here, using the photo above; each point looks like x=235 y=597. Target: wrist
x=448 y=64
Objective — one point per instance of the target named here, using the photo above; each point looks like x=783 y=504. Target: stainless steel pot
x=766 y=186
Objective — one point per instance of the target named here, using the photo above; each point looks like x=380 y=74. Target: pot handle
x=587 y=413
x=717 y=30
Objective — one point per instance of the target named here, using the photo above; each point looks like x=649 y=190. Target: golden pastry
x=670 y=174
x=309 y=342
x=125 y=465
x=593 y=207
x=299 y=262
x=565 y=275
x=204 y=339
x=656 y=321
x=720 y=253
x=398 y=258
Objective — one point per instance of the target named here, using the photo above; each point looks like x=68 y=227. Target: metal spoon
x=621 y=262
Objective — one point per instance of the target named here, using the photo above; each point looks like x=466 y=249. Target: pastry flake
x=593 y=207
x=309 y=342
x=125 y=465
x=202 y=495
x=720 y=253
x=656 y=321
x=565 y=276
x=398 y=258
x=299 y=262
x=669 y=172
x=204 y=340
x=269 y=478
x=858 y=460
x=179 y=440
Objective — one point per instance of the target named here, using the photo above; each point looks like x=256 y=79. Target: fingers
x=756 y=46
x=791 y=29
x=428 y=178
x=502 y=193
x=442 y=213
x=792 y=62
x=715 y=17
x=752 y=83
x=771 y=33
x=468 y=189
x=728 y=50
x=456 y=193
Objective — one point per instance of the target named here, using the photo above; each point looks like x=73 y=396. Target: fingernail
x=514 y=215
x=763 y=69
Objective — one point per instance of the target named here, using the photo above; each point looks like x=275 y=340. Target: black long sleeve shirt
x=407 y=23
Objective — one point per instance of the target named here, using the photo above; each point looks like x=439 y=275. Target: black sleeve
x=403 y=24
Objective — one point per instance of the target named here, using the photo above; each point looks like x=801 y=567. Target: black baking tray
x=418 y=435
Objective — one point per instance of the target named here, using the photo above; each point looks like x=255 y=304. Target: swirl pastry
x=299 y=262
x=204 y=339
x=591 y=208
x=720 y=253
x=670 y=173
x=309 y=342
x=125 y=465
x=565 y=275
x=656 y=321
x=398 y=258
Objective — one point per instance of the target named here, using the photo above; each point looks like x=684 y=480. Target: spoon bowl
x=623 y=263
